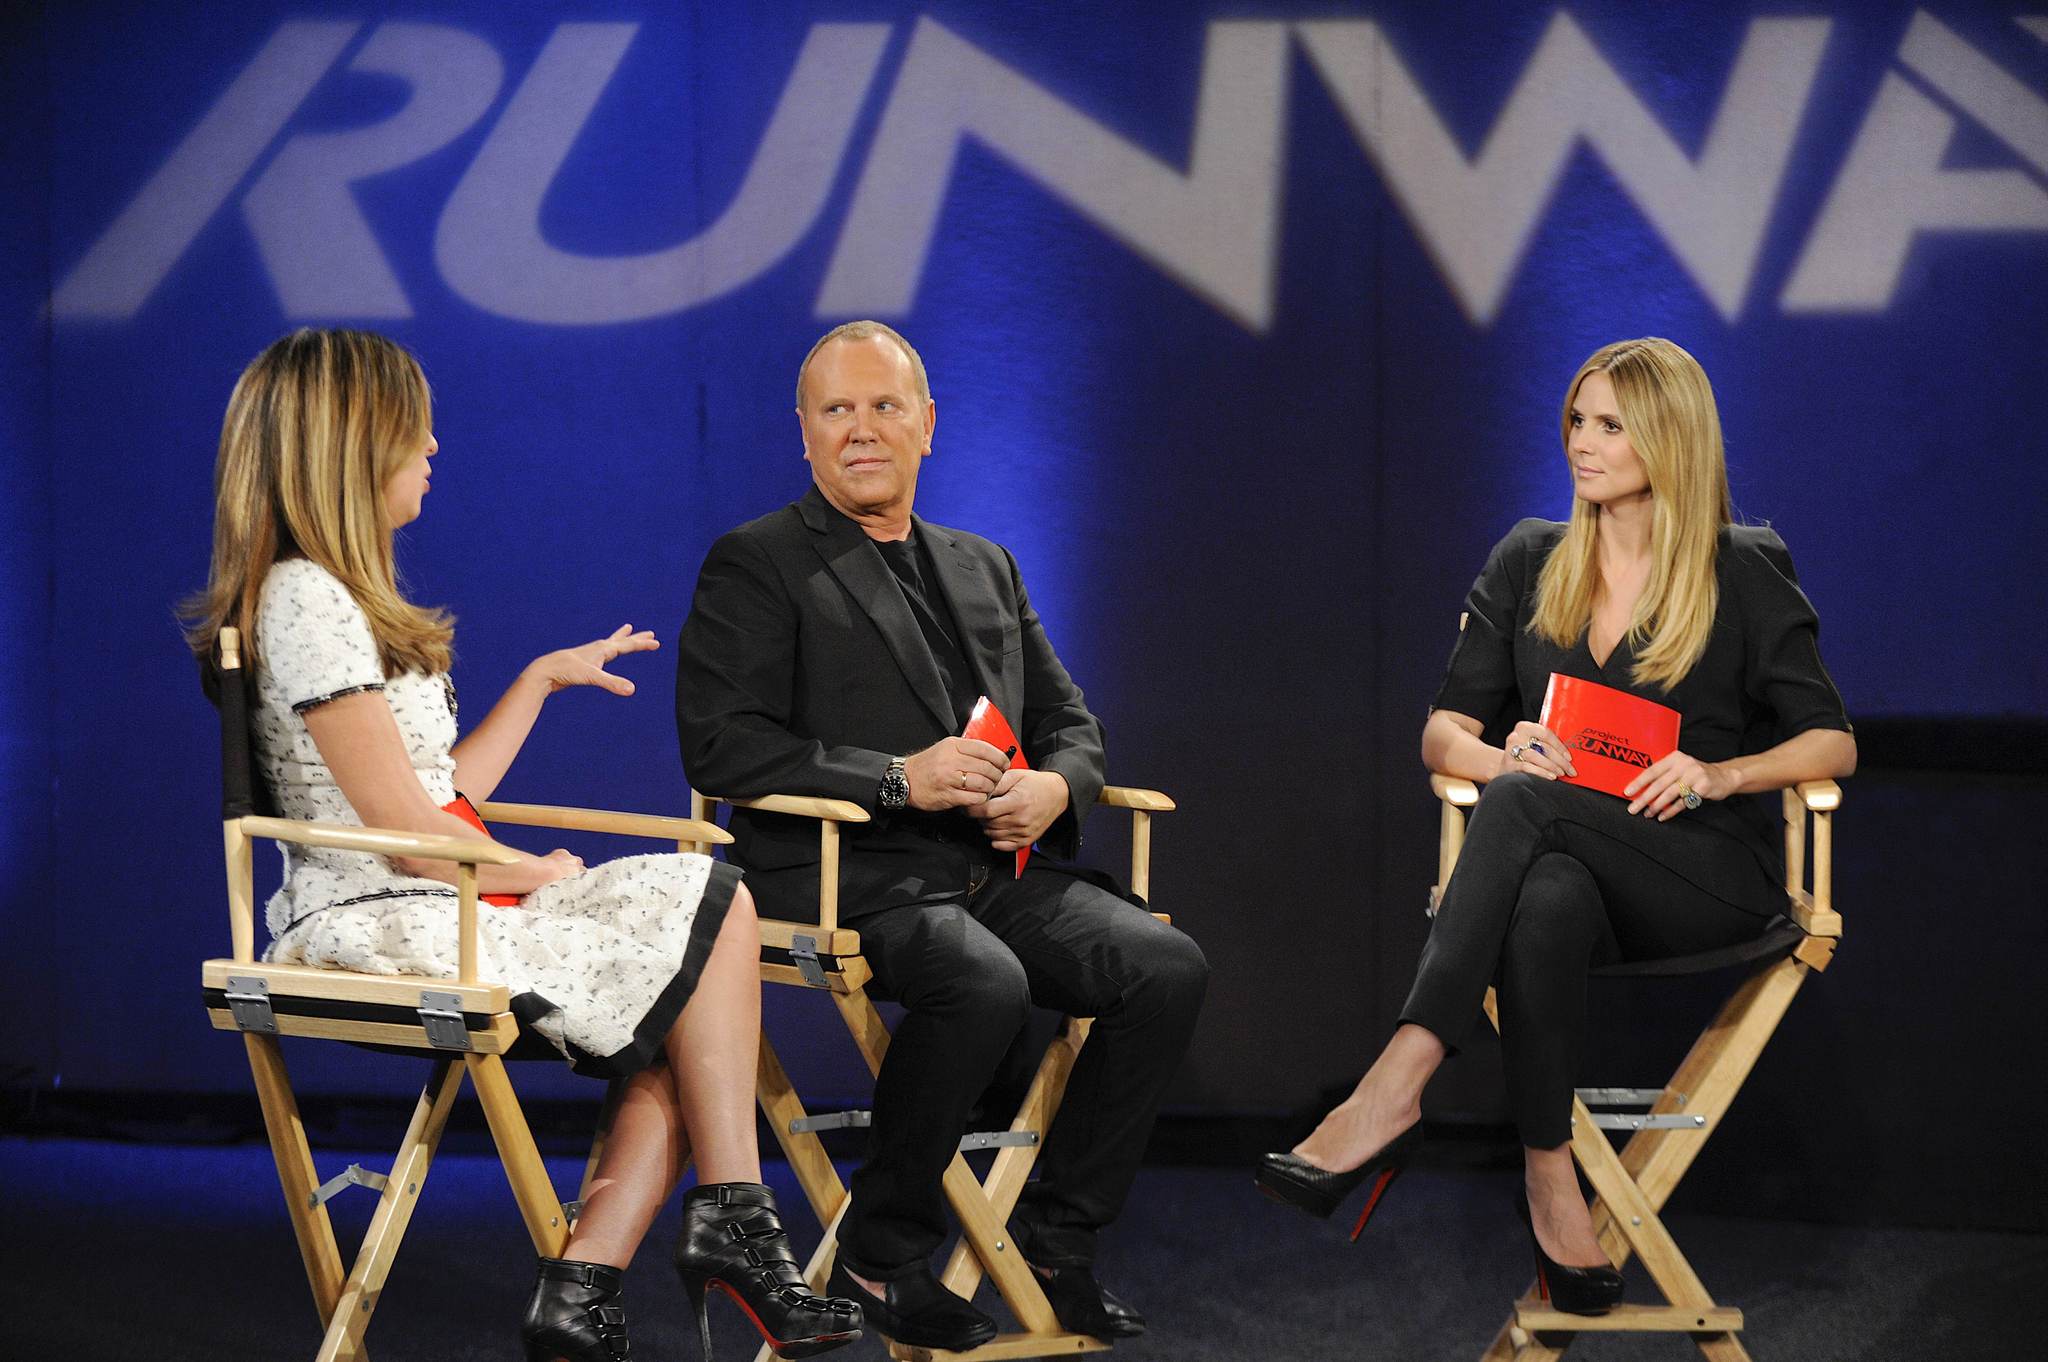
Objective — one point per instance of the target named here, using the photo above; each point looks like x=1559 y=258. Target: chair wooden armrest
x=1821 y=796
x=830 y=813
x=658 y=827
x=467 y=852
x=1456 y=795
x=1131 y=797
x=803 y=806
x=1813 y=801
x=430 y=846
x=1143 y=804
x=1455 y=790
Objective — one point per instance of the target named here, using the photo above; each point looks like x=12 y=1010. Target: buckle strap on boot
x=597 y=1276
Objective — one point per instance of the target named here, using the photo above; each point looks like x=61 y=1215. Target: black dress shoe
x=1574 y=1290
x=916 y=1310
x=1296 y=1181
x=1086 y=1306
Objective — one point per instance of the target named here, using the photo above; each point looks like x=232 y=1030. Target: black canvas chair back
x=231 y=686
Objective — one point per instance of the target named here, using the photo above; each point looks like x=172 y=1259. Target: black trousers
x=967 y=970
x=1553 y=880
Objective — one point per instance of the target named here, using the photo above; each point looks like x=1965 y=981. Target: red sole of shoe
x=790 y=1348
x=1379 y=1189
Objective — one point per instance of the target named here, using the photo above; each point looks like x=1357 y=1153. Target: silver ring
x=1515 y=752
x=1692 y=799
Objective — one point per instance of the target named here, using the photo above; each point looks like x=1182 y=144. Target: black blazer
x=802 y=671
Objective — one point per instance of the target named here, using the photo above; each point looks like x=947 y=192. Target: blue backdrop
x=1247 y=331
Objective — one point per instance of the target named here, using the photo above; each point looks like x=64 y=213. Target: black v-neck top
x=1759 y=682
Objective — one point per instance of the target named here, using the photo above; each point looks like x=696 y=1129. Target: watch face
x=895 y=791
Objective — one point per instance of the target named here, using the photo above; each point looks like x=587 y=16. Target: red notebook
x=1613 y=735
x=988 y=725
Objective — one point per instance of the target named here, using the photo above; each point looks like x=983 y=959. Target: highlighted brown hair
x=316 y=426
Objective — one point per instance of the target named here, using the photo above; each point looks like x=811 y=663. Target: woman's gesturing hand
x=1535 y=749
x=584 y=666
x=1660 y=791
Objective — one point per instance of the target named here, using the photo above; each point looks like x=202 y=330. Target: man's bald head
x=856 y=331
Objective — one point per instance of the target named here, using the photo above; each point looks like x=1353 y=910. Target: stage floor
x=116 y=1251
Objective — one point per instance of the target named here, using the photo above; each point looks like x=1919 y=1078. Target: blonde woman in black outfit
x=1649 y=588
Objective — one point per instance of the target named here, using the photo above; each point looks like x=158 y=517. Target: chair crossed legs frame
x=464 y=1024
x=1631 y=1185
x=826 y=956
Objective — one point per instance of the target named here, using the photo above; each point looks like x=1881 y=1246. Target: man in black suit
x=835 y=648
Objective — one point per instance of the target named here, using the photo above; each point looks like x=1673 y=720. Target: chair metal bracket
x=832 y=1120
x=1615 y=1120
x=997 y=1139
x=355 y=1175
x=249 y=1001
x=1625 y=1097
x=803 y=950
x=441 y=1015
x=1637 y=1097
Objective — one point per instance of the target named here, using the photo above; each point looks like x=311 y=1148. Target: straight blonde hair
x=1667 y=408
x=316 y=426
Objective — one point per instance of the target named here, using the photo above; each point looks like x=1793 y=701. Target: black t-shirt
x=911 y=561
x=1759 y=682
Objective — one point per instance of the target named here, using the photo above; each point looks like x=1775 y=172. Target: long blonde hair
x=1667 y=408
x=316 y=426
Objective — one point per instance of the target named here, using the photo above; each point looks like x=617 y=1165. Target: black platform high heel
x=1574 y=1290
x=575 y=1313
x=732 y=1240
x=1296 y=1181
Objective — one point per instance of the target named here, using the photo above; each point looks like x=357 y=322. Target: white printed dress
x=599 y=964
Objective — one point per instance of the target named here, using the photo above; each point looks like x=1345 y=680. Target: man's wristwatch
x=895 y=791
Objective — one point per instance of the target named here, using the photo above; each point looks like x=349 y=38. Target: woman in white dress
x=642 y=968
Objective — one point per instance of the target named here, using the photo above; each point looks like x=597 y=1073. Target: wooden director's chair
x=1671 y=1124
x=464 y=1025
x=826 y=956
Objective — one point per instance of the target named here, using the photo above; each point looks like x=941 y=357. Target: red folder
x=1613 y=735
x=466 y=811
x=988 y=725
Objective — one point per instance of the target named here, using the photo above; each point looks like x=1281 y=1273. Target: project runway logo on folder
x=1613 y=735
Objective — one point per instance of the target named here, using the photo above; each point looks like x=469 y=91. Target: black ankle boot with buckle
x=575 y=1313
x=732 y=1240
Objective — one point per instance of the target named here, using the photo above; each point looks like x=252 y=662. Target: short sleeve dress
x=599 y=965
x=1759 y=682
